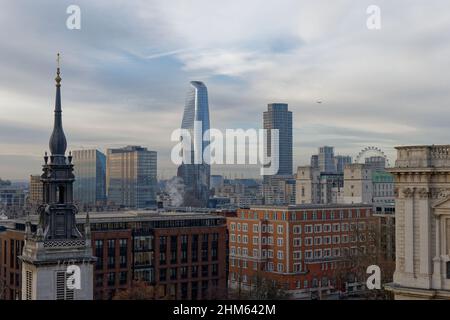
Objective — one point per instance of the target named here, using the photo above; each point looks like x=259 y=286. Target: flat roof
x=125 y=216
x=311 y=206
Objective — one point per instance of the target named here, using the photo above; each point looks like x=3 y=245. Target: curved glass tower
x=196 y=174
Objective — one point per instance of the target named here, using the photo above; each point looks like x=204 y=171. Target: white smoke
x=175 y=189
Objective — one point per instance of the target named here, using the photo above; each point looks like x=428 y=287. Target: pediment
x=442 y=205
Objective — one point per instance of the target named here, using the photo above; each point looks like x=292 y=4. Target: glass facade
x=131 y=177
x=196 y=177
x=90 y=176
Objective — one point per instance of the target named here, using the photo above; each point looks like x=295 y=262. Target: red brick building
x=183 y=254
x=297 y=247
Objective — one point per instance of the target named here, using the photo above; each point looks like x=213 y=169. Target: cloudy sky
x=125 y=73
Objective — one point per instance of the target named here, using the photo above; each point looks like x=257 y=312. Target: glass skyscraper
x=196 y=174
x=131 y=177
x=89 y=187
x=278 y=117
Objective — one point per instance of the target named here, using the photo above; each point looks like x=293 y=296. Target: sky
x=125 y=73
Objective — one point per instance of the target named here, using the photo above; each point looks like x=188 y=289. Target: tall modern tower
x=57 y=242
x=278 y=117
x=90 y=169
x=131 y=176
x=326 y=159
x=196 y=174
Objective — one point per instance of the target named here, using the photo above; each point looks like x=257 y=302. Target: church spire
x=58 y=143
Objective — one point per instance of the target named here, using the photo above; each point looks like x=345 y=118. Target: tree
x=260 y=288
x=141 y=290
x=370 y=250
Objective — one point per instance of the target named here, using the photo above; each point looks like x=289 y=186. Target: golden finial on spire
x=58 y=78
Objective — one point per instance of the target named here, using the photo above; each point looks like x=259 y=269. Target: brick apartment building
x=183 y=254
x=298 y=247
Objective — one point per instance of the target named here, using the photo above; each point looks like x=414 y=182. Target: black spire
x=58 y=143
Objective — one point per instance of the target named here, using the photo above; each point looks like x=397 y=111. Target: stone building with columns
x=422 y=208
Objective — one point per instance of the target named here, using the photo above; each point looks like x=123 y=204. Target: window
x=255 y=228
x=318 y=253
x=317 y=228
x=233 y=237
x=344 y=227
x=308 y=254
x=111 y=279
x=255 y=240
x=62 y=292
x=297 y=255
x=297 y=242
x=336 y=239
x=239 y=227
x=255 y=253
x=123 y=277
x=29 y=285
x=298 y=268
x=336 y=252
x=245 y=239
x=317 y=241
x=327 y=228
x=280 y=254
x=327 y=240
x=162 y=274
x=270 y=253
x=233 y=226
x=280 y=267
x=308 y=241
x=297 y=229
x=327 y=253
x=279 y=242
x=308 y=228
x=244 y=227
x=336 y=227
x=280 y=229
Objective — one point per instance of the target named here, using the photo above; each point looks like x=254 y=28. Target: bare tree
x=140 y=290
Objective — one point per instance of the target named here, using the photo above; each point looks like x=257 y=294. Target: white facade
x=358 y=187
x=422 y=208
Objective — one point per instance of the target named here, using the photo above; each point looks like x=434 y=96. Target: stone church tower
x=57 y=261
x=422 y=214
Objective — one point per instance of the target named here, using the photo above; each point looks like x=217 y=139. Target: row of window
x=297 y=255
x=316 y=228
x=184 y=272
x=314 y=215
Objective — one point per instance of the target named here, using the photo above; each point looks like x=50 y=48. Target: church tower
x=57 y=261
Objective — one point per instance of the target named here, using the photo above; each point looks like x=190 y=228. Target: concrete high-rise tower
x=57 y=248
x=196 y=174
x=278 y=117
